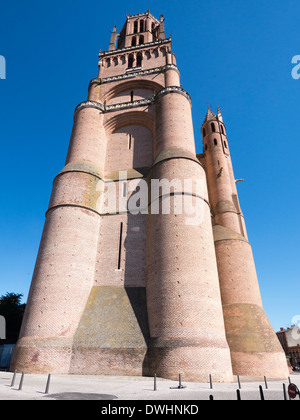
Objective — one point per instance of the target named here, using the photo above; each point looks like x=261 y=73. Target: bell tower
x=253 y=343
x=121 y=285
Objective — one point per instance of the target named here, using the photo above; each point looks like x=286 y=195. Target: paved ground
x=77 y=387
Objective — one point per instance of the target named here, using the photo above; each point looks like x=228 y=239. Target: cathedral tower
x=254 y=346
x=126 y=280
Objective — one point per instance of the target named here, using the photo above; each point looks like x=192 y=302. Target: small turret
x=253 y=344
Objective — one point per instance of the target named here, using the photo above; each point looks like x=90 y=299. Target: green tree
x=12 y=309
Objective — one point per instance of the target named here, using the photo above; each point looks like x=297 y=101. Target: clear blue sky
x=232 y=53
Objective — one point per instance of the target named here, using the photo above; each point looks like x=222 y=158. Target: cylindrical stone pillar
x=183 y=297
x=64 y=270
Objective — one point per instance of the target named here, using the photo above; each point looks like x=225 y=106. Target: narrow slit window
x=213 y=128
x=215 y=142
x=131 y=96
x=130 y=62
x=139 y=60
x=204 y=132
x=129 y=141
x=120 y=245
x=225 y=144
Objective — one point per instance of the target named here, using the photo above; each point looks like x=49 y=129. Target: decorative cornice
x=137 y=47
x=90 y=104
x=134 y=73
x=173 y=89
x=134 y=104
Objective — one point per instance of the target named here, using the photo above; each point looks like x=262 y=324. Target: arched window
x=222 y=129
x=108 y=62
x=225 y=144
x=135 y=30
x=139 y=60
x=153 y=32
x=142 y=27
x=213 y=128
x=204 y=132
x=215 y=142
x=141 y=40
x=133 y=41
x=130 y=61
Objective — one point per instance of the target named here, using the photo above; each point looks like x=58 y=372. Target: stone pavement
x=112 y=389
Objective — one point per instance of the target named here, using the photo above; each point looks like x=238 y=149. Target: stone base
x=169 y=358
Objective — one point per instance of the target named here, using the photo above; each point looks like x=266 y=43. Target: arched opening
x=153 y=32
x=215 y=142
x=139 y=59
x=135 y=30
x=142 y=26
x=225 y=144
x=133 y=41
x=141 y=40
x=213 y=128
x=203 y=132
x=130 y=61
x=222 y=129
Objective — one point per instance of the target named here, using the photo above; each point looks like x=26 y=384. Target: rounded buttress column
x=183 y=297
x=64 y=270
x=255 y=349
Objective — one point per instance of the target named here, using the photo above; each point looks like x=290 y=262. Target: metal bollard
x=48 y=384
x=239 y=382
x=238 y=394
x=262 y=397
x=284 y=392
x=210 y=381
x=13 y=378
x=266 y=384
x=21 y=382
x=211 y=397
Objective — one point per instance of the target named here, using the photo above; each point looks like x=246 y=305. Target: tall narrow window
x=215 y=142
x=222 y=129
x=120 y=245
x=139 y=60
x=142 y=26
x=130 y=61
x=135 y=30
x=131 y=96
x=225 y=144
x=133 y=41
x=213 y=128
x=204 y=132
x=129 y=141
x=141 y=40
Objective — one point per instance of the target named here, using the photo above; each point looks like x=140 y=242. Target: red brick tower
x=255 y=349
x=121 y=286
